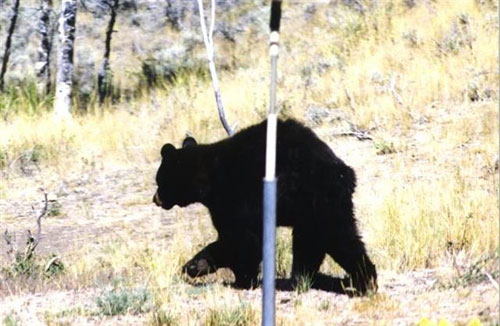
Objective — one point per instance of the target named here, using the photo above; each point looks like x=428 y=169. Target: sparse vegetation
x=161 y=317
x=283 y=253
x=239 y=315
x=420 y=77
x=484 y=269
x=371 y=305
x=54 y=266
x=10 y=320
x=55 y=208
x=384 y=148
x=303 y=284
x=123 y=300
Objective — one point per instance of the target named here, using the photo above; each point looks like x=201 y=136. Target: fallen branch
x=355 y=131
x=54 y=261
x=360 y=135
x=8 y=239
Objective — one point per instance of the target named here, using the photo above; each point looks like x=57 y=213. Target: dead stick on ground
x=8 y=239
x=51 y=262
x=352 y=105
x=33 y=241
x=492 y=280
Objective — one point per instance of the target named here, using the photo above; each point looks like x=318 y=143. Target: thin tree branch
x=103 y=77
x=212 y=25
x=208 y=40
x=33 y=241
x=36 y=239
x=8 y=42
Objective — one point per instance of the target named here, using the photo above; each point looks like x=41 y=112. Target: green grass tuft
x=124 y=301
x=240 y=315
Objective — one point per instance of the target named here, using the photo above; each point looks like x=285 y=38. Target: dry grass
x=420 y=80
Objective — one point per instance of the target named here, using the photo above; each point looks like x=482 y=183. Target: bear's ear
x=189 y=141
x=167 y=150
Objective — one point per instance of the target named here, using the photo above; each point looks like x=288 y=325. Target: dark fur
x=315 y=192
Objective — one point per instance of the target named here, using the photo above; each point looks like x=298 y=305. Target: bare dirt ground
x=405 y=300
x=100 y=203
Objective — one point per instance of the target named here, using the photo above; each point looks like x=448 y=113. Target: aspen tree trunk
x=43 y=64
x=6 y=54
x=67 y=20
x=104 y=76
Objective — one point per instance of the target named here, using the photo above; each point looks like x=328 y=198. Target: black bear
x=314 y=193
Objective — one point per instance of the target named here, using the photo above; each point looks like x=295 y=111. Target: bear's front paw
x=197 y=267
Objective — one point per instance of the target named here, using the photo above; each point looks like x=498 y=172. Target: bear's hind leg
x=308 y=254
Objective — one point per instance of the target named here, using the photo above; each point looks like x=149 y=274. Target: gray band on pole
x=269 y=253
x=269 y=233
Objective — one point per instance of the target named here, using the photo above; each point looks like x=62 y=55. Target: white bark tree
x=43 y=64
x=67 y=21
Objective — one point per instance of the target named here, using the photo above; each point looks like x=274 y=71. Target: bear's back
x=300 y=155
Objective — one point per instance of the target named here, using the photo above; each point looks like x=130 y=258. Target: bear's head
x=178 y=177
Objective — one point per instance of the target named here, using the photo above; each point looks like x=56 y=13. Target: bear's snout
x=156 y=199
